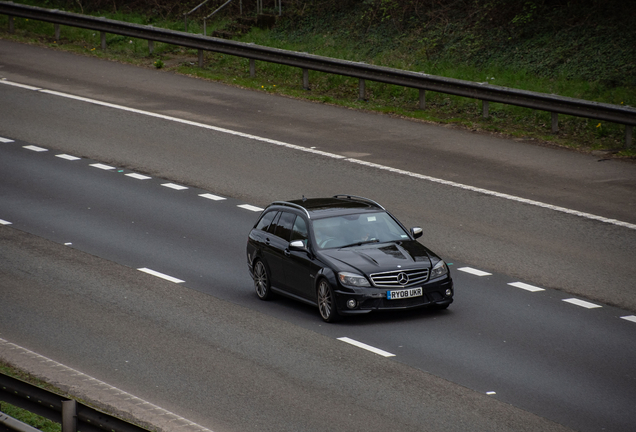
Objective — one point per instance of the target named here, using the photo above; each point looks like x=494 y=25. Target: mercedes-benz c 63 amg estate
x=345 y=254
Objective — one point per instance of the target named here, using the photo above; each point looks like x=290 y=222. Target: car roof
x=338 y=205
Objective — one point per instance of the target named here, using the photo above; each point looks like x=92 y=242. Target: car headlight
x=439 y=270
x=353 y=280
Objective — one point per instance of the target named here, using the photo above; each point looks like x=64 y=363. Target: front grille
x=396 y=278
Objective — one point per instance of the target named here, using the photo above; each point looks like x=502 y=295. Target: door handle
x=287 y=252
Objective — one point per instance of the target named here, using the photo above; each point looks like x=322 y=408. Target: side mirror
x=416 y=232
x=297 y=245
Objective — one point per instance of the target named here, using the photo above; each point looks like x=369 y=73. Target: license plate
x=406 y=293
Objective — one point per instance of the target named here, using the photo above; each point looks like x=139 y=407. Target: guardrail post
x=422 y=99
x=252 y=68
x=555 y=122
x=103 y=37
x=629 y=129
x=361 y=92
x=69 y=416
x=151 y=46
x=57 y=32
x=484 y=108
x=11 y=26
x=305 y=79
x=200 y=58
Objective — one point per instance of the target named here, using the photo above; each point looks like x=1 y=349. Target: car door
x=298 y=264
x=276 y=243
x=270 y=257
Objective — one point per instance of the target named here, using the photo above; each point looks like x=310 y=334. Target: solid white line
x=212 y=197
x=6 y=140
x=526 y=286
x=335 y=156
x=138 y=176
x=474 y=271
x=160 y=275
x=102 y=166
x=192 y=123
x=34 y=148
x=24 y=86
x=4 y=222
x=250 y=207
x=174 y=186
x=366 y=347
x=497 y=194
x=11 y=350
x=631 y=318
x=581 y=303
x=68 y=157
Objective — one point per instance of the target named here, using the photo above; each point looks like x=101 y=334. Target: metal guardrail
x=72 y=415
x=12 y=424
x=482 y=91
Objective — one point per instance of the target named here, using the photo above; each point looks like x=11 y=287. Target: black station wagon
x=345 y=254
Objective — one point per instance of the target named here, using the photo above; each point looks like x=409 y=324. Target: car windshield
x=355 y=229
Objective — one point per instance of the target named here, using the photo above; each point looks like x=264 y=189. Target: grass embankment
x=587 y=51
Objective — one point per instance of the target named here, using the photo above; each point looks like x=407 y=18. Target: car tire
x=262 y=284
x=327 y=302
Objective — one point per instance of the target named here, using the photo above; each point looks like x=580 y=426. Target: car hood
x=376 y=257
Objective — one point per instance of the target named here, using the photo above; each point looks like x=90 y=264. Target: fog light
x=449 y=292
x=351 y=304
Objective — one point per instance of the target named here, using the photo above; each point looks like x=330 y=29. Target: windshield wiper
x=360 y=243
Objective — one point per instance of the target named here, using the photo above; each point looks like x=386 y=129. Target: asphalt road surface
x=501 y=357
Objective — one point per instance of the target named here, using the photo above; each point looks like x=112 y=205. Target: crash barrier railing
x=72 y=415
x=423 y=82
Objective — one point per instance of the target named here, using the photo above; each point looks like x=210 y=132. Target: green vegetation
x=29 y=418
x=23 y=415
x=584 y=49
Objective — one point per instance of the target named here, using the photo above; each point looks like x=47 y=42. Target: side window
x=265 y=221
x=273 y=225
x=299 y=231
x=284 y=226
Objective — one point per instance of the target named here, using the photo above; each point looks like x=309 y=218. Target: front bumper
x=374 y=299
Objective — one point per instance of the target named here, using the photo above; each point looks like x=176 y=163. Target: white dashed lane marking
x=631 y=318
x=35 y=148
x=581 y=303
x=174 y=186
x=68 y=157
x=474 y=271
x=366 y=347
x=138 y=176
x=250 y=207
x=5 y=140
x=335 y=156
x=526 y=287
x=212 y=197
x=102 y=166
x=160 y=275
x=4 y=222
